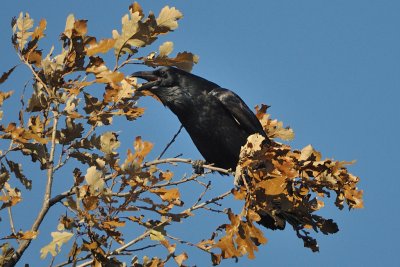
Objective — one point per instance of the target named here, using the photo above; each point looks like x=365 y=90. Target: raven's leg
x=198 y=166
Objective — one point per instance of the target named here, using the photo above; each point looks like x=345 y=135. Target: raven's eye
x=163 y=74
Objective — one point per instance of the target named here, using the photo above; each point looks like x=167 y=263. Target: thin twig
x=142 y=248
x=71 y=192
x=49 y=92
x=73 y=261
x=203 y=193
x=10 y=216
x=205 y=203
x=171 y=142
x=180 y=160
x=187 y=243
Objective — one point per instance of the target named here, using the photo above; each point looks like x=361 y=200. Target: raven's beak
x=149 y=76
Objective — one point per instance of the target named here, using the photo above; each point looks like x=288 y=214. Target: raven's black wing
x=239 y=110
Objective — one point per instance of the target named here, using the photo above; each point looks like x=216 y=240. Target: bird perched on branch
x=217 y=120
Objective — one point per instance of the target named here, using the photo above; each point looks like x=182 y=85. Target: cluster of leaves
x=286 y=185
x=62 y=123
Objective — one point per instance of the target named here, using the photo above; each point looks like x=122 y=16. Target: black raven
x=217 y=119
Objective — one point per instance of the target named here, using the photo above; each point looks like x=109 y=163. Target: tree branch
x=47 y=195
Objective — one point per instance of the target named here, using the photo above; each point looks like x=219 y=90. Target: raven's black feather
x=217 y=119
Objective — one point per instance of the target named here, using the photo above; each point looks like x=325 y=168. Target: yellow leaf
x=168 y=18
x=69 y=25
x=54 y=247
x=307 y=152
x=21 y=29
x=109 y=142
x=156 y=235
x=166 y=49
x=94 y=179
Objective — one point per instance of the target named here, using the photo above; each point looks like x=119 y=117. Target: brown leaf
x=38 y=152
x=16 y=168
x=38 y=101
x=34 y=57
x=184 y=61
x=3 y=78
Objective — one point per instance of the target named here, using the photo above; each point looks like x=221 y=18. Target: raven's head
x=161 y=78
x=174 y=87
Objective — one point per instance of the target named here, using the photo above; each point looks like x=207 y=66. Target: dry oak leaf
x=28 y=235
x=165 y=49
x=4 y=96
x=168 y=17
x=54 y=247
x=169 y=195
x=109 y=142
x=101 y=47
x=94 y=178
x=3 y=78
x=21 y=29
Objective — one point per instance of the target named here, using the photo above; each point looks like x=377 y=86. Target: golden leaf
x=38 y=33
x=130 y=26
x=135 y=7
x=109 y=76
x=101 y=47
x=169 y=195
x=142 y=148
x=28 y=235
x=181 y=258
x=4 y=96
x=114 y=223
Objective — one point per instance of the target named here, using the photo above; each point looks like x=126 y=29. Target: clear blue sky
x=329 y=69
